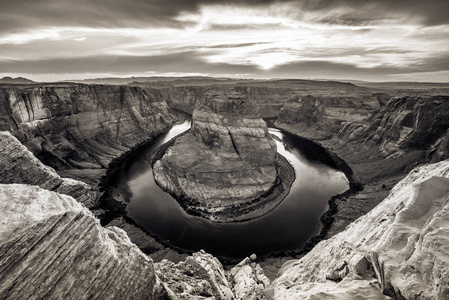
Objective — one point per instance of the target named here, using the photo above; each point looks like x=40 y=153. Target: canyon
x=57 y=141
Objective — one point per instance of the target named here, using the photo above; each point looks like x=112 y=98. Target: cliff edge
x=399 y=249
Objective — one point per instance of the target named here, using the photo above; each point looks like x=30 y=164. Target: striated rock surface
x=320 y=117
x=405 y=124
x=228 y=158
x=200 y=276
x=51 y=247
x=78 y=129
x=342 y=100
x=399 y=249
x=248 y=280
x=19 y=165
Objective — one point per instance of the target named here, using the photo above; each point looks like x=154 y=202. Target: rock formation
x=320 y=117
x=248 y=280
x=380 y=149
x=227 y=160
x=51 y=247
x=19 y=165
x=78 y=129
x=399 y=249
x=200 y=276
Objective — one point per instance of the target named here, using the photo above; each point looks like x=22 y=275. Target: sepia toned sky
x=385 y=40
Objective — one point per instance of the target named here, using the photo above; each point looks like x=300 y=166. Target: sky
x=384 y=40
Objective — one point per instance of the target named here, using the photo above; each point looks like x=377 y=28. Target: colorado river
x=288 y=227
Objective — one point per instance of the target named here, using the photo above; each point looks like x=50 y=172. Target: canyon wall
x=405 y=124
x=400 y=125
x=18 y=165
x=380 y=149
x=344 y=100
x=78 y=129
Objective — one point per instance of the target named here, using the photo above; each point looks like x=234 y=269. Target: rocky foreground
x=399 y=249
x=226 y=162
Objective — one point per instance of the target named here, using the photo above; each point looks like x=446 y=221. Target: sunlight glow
x=261 y=36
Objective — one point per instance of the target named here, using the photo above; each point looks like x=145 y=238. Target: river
x=288 y=227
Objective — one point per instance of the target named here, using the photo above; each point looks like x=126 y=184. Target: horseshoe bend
x=226 y=166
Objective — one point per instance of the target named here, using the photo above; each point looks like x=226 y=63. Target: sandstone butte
x=53 y=247
x=225 y=163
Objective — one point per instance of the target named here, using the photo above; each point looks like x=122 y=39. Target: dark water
x=288 y=227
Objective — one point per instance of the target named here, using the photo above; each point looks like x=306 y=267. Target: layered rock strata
x=78 y=129
x=228 y=159
x=321 y=117
x=405 y=124
x=399 y=249
x=342 y=100
x=51 y=247
x=19 y=165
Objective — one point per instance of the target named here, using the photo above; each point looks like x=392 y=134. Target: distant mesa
x=18 y=80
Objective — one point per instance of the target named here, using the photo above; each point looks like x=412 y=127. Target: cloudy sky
x=385 y=40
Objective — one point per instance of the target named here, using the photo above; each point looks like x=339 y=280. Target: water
x=288 y=227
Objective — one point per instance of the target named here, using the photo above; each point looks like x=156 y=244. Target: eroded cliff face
x=227 y=160
x=52 y=247
x=78 y=129
x=401 y=125
x=399 y=249
x=19 y=165
x=342 y=100
x=320 y=117
x=407 y=123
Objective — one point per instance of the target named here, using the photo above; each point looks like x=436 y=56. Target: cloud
x=192 y=62
x=17 y=15
x=184 y=62
x=261 y=37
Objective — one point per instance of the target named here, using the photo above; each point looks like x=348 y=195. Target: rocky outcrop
x=51 y=247
x=382 y=148
x=248 y=279
x=410 y=123
x=321 y=117
x=404 y=124
x=200 y=276
x=227 y=160
x=399 y=249
x=19 y=165
x=78 y=129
